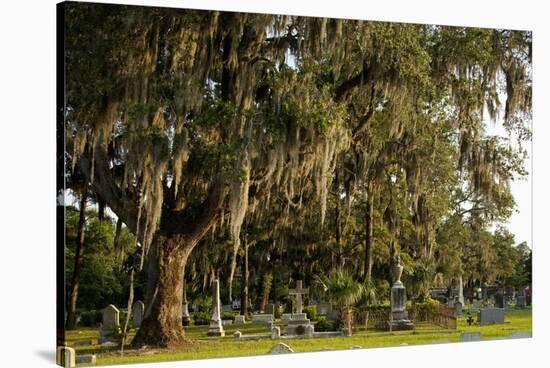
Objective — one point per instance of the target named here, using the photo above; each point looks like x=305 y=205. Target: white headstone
x=66 y=357
x=281 y=348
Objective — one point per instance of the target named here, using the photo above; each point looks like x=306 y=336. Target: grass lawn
x=214 y=347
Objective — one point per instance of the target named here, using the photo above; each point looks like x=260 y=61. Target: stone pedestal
x=399 y=317
x=216 y=328
x=297 y=324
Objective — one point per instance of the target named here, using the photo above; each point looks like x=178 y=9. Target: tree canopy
x=311 y=135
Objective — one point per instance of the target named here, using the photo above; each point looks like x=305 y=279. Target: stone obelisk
x=216 y=328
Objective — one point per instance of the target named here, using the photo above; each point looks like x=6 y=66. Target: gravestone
x=499 y=299
x=458 y=307
x=226 y=322
x=399 y=316
x=83 y=343
x=520 y=335
x=110 y=323
x=471 y=336
x=66 y=357
x=275 y=332
x=239 y=320
x=262 y=319
x=323 y=308
x=108 y=345
x=298 y=321
x=280 y=348
x=309 y=331
x=110 y=318
x=86 y=359
x=237 y=335
x=138 y=310
x=332 y=315
x=488 y=316
x=521 y=302
x=215 y=328
x=270 y=308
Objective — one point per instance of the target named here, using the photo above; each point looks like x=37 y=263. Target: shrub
x=311 y=311
x=201 y=318
x=90 y=318
x=324 y=325
x=228 y=315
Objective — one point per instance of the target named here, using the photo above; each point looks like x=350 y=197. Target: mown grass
x=213 y=347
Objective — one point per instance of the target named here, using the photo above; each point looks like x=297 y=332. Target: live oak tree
x=187 y=121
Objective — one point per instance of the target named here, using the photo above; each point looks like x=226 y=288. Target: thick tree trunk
x=162 y=325
x=368 y=236
x=244 y=281
x=73 y=295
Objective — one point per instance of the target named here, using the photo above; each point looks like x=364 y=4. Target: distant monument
x=399 y=316
x=185 y=318
x=215 y=328
x=297 y=323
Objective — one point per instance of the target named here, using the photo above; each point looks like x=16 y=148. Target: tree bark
x=73 y=295
x=162 y=325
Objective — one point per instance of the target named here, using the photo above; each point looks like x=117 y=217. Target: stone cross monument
x=298 y=323
x=298 y=292
x=216 y=328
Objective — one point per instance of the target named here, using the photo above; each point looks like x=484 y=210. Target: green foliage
x=323 y=324
x=427 y=307
x=311 y=311
x=101 y=282
x=228 y=315
x=90 y=318
x=341 y=288
x=201 y=318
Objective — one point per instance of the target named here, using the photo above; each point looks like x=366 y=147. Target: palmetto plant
x=345 y=292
